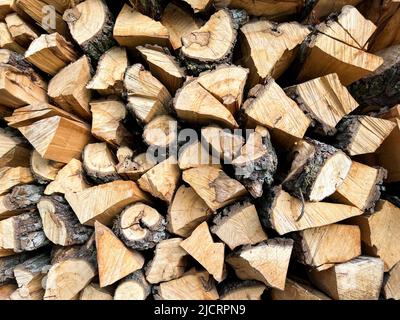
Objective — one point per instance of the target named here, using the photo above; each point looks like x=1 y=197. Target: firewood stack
x=199 y=149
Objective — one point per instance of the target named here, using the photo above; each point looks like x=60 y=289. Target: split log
x=152 y=8
x=6 y=252
x=51 y=53
x=104 y=202
x=195 y=155
x=186 y=212
x=7 y=41
x=42 y=169
x=358 y=279
x=14 y=151
x=239 y=225
x=94 y=33
x=169 y=262
x=214 y=186
x=7 y=265
x=5 y=8
x=94 y=292
x=16 y=60
x=297 y=291
x=323 y=8
x=109 y=77
x=22 y=32
x=140 y=227
x=133 y=166
x=68 y=88
x=391 y=287
x=210 y=254
x=161 y=135
x=6 y=291
x=11 y=177
x=242 y=290
x=266 y=262
x=317 y=170
x=133 y=287
x=199 y=5
x=62 y=5
x=60 y=224
x=114 y=260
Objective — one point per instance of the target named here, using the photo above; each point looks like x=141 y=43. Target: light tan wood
x=195 y=155
x=391 y=287
x=133 y=166
x=297 y=291
x=62 y=5
x=7 y=41
x=199 y=5
x=243 y=290
x=134 y=287
x=22 y=32
x=6 y=290
x=44 y=170
x=94 y=292
x=161 y=132
x=14 y=151
x=11 y=177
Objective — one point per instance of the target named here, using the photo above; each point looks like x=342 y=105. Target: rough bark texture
x=345 y=131
x=151 y=8
x=7 y=266
x=23 y=197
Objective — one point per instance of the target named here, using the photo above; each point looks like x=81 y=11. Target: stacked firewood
x=199 y=149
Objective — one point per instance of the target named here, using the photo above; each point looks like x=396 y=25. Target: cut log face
x=162 y=133
x=267 y=262
x=243 y=290
x=115 y=261
x=391 y=288
x=199 y=5
x=214 y=186
x=134 y=287
x=21 y=31
x=239 y=225
x=14 y=151
x=379 y=232
x=44 y=170
x=317 y=171
x=94 y=292
x=195 y=155
x=133 y=166
x=193 y=285
x=11 y=177
x=297 y=291
x=358 y=279
x=7 y=41
x=104 y=202
x=169 y=262
x=362 y=134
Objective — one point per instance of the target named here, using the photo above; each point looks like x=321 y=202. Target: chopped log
x=214 y=186
x=391 y=287
x=134 y=29
x=68 y=88
x=104 y=202
x=114 y=260
x=94 y=33
x=133 y=166
x=22 y=32
x=380 y=233
x=163 y=66
x=193 y=285
x=7 y=41
x=16 y=60
x=94 y=292
x=257 y=162
x=162 y=180
x=133 y=287
x=60 y=224
x=6 y=291
x=322 y=8
x=51 y=53
x=268 y=49
x=297 y=291
x=242 y=290
x=161 y=134
x=194 y=155
x=152 y=8
x=5 y=8
x=14 y=151
x=362 y=134
x=358 y=279
x=169 y=262
x=7 y=265
x=317 y=170
x=69 y=179
x=266 y=262
x=57 y=138
x=239 y=225
x=147 y=96
x=140 y=227
x=210 y=254
x=42 y=169
x=11 y=177
x=110 y=72
x=199 y=5
x=62 y=5
x=285 y=213
x=269 y=106
x=186 y=212
x=325 y=100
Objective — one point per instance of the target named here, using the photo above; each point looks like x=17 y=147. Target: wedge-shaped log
x=242 y=290
x=133 y=166
x=297 y=291
x=22 y=32
x=42 y=169
x=94 y=292
x=14 y=151
x=391 y=287
x=11 y=177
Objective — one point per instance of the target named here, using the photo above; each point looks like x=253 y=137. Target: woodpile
x=199 y=150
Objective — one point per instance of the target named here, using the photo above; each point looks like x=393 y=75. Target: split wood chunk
x=11 y=177
x=162 y=180
x=147 y=96
x=161 y=133
x=317 y=170
x=194 y=155
x=239 y=225
x=179 y=23
x=358 y=279
x=325 y=100
x=109 y=77
x=7 y=290
x=323 y=8
x=134 y=29
x=362 y=186
x=297 y=291
x=5 y=8
x=5 y=112
x=69 y=179
x=266 y=262
x=19 y=88
x=44 y=170
x=257 y=162
x=210 y=254
x=193 y=285
x=362 y=134
x=268 y=48
x=169 y=262
x=140 y=227
x=57 y=138
x=133 y=166
x=60 y=224
x=94 y=292
x=68 y=88
x=194 y=104
x=16 y=60
x=152 y=8
x=7 y=41
x=7 y=265
x=214 y=186
x=380 y=233
x=164 y=66
x=287 y=214
x=62 y=5
x=242 y=290
x=269 y=106
x=391 y=287
x=104 y=202
x=22 y=233
x=114 y=260
x=51 y=53
x=94 y=33
x=22 y=32
x=134 y=287
x=186 y=212
x=317 y=247
x=199 y=5
x=14 y=151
